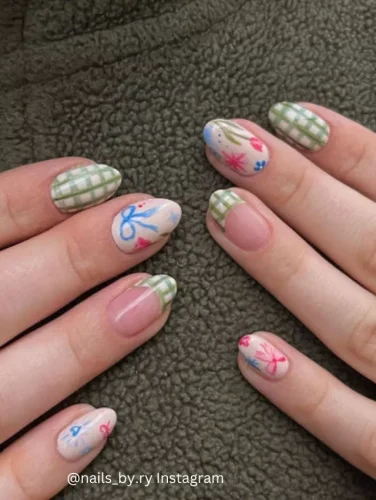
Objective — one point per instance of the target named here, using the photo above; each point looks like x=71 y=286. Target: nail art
x=263 y=356
x=86 y=433
x=84 y=186
x=299 y=126
x=141 y=224
x=163 y=285
x=236 y=147
x=221 y=203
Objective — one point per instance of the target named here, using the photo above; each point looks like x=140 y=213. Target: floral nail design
x=164 y=286
x=221 y=203
x=299 y=126
x=142 y=224
x=85 y=433
x=236 y=147
x=84 y=186
x=263 y=356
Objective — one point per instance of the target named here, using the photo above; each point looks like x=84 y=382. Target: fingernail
x=299 y=126
x=243 y=225
x=261 y=355
x=86 y=433
x=84 y=186
x=139 y=225
x=236 y=147
x=137 y=307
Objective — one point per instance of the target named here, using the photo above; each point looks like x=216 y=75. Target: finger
x=85 y=250
x=338 y=416
x=332 y=216
x=350 y=149
x=44 y=367
x=33 y=198
x=39 y=464
x=338 y=310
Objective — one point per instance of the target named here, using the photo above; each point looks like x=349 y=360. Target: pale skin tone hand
x=303 y=200
x=47 y=259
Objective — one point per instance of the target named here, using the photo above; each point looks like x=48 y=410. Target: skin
x=326 y=197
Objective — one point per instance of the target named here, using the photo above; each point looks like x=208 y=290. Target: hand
x=51 y=258
x=288 y=204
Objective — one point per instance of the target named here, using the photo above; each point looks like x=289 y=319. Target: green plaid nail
x=221 y=202
x=164 y=286
x=299 y=126
x=84 y=186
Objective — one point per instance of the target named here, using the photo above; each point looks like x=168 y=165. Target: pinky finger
x=338 y=416
x=39 y=464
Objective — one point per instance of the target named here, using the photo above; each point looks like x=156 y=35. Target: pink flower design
x=234 y=161
x=142 y=243
x=271 y=356
x=257 y=144
x=246 y=340
x=105 y=429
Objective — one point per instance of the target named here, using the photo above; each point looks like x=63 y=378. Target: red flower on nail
x=246 y=340
x=271 y=356
x=234 y=161
x=257 y=144
x=142 y=243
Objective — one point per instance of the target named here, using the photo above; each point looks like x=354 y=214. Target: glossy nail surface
x=261 y=355
x=299 y=126
x=236 y=147
x=84 y=186
x=86 y=433
x=139 y=225
x=137 y=307
x=242 y=224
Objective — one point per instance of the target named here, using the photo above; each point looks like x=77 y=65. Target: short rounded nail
x=137 y=307
x=263 y=357
x=236 y=147
x=299 y=126
x=140 y=225
x=243 y=225
x=86 y=433
x=84 y=186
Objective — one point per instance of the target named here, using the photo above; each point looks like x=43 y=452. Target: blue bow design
x=130 y=218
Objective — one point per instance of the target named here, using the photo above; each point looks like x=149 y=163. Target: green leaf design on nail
x=231 y=131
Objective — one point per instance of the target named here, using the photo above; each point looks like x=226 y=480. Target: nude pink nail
x=261 y=355
x=243 y=225
x=137 y=307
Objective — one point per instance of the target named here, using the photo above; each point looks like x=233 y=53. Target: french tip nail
x=164 y=286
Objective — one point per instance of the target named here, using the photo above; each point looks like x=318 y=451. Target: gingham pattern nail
x=220 y=204
x=84 y=186
x=164 y=286
x=299 y=126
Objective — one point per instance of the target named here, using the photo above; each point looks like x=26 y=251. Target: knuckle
x=294 y=186
x=80 y=351
x=79 y=263
x=289 y=265
x=313 y=398
x=24 y=485
x=362 y=339
x=356 y=157
x=10 y=222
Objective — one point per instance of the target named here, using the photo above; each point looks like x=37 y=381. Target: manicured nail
x=86 y=433
x=263 y=356
x=84 y=186
x=236 y=147
x=243 y=225
x=141 y=224
x=299 y=126
x=137 y=307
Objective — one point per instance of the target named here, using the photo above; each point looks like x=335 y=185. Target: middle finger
x=332 y=216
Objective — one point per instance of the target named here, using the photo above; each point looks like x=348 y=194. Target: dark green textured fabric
x=131 y=84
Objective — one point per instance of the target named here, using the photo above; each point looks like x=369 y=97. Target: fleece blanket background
x=131 y=83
